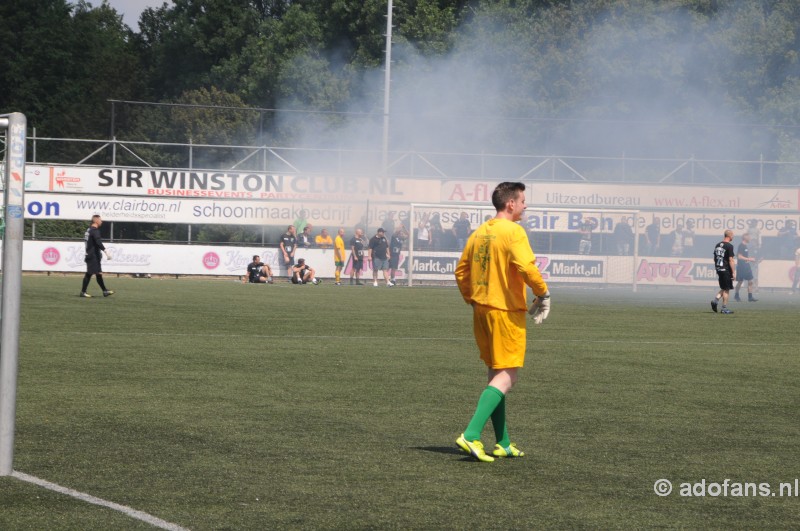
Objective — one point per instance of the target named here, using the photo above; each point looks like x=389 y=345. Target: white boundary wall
x=426 y=265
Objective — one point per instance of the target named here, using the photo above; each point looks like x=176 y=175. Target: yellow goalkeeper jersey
x=338 y=246
x=495 y=266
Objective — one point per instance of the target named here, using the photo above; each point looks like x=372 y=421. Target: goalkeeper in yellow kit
x=496 y=265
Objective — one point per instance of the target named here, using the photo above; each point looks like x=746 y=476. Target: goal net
x=581 y=246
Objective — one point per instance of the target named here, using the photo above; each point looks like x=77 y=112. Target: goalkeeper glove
x=108 y=256
x=540 y=308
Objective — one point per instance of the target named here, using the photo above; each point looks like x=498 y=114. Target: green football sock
x=490 y=398
x=499 y=423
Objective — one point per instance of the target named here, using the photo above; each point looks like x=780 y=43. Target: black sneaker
x=714 y=305
x=85 y=295
x=108 y=293
x=726 y=311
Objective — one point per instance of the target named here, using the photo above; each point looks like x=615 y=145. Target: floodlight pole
x=15 y=125
x=387 y=82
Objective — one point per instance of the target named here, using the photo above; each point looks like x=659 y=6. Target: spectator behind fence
x=437 y=232
x=462 y=230
x=787 y=236
x=305 y=240
x=324 y=240
x=301 y=221
x=424 y=233
x=688 y=238
x=623 y=236
x=677 y=235
x=652 y=237
x=585 y=229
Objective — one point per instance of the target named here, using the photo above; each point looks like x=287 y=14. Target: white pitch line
x=128 y=511
x=468 y=338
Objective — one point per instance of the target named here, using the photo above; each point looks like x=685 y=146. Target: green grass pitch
x=217 y=405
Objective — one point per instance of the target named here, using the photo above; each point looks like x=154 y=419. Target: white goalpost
x=15 y=125
x=592 y=247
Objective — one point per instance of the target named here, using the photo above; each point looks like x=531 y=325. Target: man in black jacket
x=94 y=246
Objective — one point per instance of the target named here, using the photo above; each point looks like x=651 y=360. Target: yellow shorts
x=501 y=336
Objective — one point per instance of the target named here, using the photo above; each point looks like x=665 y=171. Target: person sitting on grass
x=302 y=273
x=258 y=271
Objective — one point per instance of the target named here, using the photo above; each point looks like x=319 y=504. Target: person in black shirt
x=302 y=273
x=379 y=254
x=462 y=230
x=258 y=271
x=743 y=269
x=786 y=239
x=357 y=256
x=288 y=247
x=94 y=245
x=652 y=235
x=623 y=234
x=724 y=264
x=305 y=238
x=395 y=248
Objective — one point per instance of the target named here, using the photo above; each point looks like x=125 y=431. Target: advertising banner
x=349 y=214
x=161 y=259
x=635 y=196
x=658 y=271
x=210 y=211
x=428 y=265
x=228 y=184
x=220 y=185
x=613 y=270
x=225 y=198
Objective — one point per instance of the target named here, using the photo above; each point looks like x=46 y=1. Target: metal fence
x=411 y=164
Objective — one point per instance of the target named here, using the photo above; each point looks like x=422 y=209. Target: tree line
x=694 y=61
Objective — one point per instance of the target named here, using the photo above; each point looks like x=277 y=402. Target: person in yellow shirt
x=324 y=240
x=338 y=255
x=495 y=266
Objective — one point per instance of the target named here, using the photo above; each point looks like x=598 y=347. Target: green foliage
x=55 y=229
x=228 y=234
x=205 y=125
x=182 y=44
x=516 y=72
x=59 y=63
x=202 y=116
x=429 y=27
